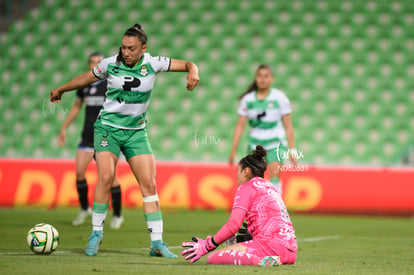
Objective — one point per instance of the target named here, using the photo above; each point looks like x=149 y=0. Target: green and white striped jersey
x=129 y=89
x=265 y=118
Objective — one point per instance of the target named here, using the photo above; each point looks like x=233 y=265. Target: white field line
x=318 y=239
x=31 y=253
x=302 y=240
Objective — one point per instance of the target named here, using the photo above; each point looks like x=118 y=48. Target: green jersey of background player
x=121 y=127
x=267 y=110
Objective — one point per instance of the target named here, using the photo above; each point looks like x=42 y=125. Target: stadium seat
x=346 y=67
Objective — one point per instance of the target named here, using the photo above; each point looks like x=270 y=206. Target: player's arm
x=186 y=66
x=238 y=131
x=79 y=81
x=287 y=124
x=242 y=201
x=196 y=249
x=199 y=247
x=231 y=227
x=73 y=113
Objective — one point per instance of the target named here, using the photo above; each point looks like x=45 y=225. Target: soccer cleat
x=81 y=217
x=116 y=222
x=94 y=241
x=270 y=261
x=160 y=249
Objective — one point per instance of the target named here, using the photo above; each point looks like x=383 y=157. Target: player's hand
x=192 y=79
x=193 y=251
x=62 y=137
x=55 y=95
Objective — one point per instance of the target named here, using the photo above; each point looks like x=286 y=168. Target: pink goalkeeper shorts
x=263 y=248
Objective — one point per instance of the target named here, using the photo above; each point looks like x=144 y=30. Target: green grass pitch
x=327 y=245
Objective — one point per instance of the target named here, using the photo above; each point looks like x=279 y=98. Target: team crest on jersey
x=144 y=70
x=93 y=90
x=270 y=105
x=104 y=142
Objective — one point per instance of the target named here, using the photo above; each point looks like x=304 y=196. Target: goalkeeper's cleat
x=270 y=261
x=81 y=217
x=94 y=241
x=160 y=249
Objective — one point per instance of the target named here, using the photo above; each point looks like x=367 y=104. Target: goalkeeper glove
x=195 y=250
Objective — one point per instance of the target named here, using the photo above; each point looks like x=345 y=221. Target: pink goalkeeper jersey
x=266 y=212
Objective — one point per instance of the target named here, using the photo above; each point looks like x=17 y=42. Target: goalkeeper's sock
x=233 y=257
x=155 y=225
x=276 y=183
x=116 y=200
x=82 y=187
x=98 y=216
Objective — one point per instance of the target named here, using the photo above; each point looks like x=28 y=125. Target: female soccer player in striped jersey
x=267 y=110
x=121 y=127
x=257 y=201
x=93 y=96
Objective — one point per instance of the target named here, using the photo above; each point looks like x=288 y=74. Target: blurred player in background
x=121 y=127
x=267 y=110
x=257 y=201
x=93 y=96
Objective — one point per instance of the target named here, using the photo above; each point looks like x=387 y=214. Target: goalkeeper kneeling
x=258 y=202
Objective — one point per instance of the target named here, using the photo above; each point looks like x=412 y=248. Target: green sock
x=100 y=207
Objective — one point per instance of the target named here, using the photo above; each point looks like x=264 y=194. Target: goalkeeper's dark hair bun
x=256 y=161
x=260 y=152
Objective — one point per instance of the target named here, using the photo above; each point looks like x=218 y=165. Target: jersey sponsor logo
x=98 y=69
x=130 y=82
x=93 y=90
x=115 y=70
x=121 y=100
x=144 y=70
x=104 y=142
x=287 y=233
x=262 y=114
x=261 y=183
x=162 y=58
x=94 y=100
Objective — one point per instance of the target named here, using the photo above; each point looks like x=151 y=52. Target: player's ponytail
x=137 y=31
x=255 y=160
x=253 y=86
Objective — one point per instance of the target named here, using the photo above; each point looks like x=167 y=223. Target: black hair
x=95 y=54
x=253 y=86
x=137 y=31
x=256 y=161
